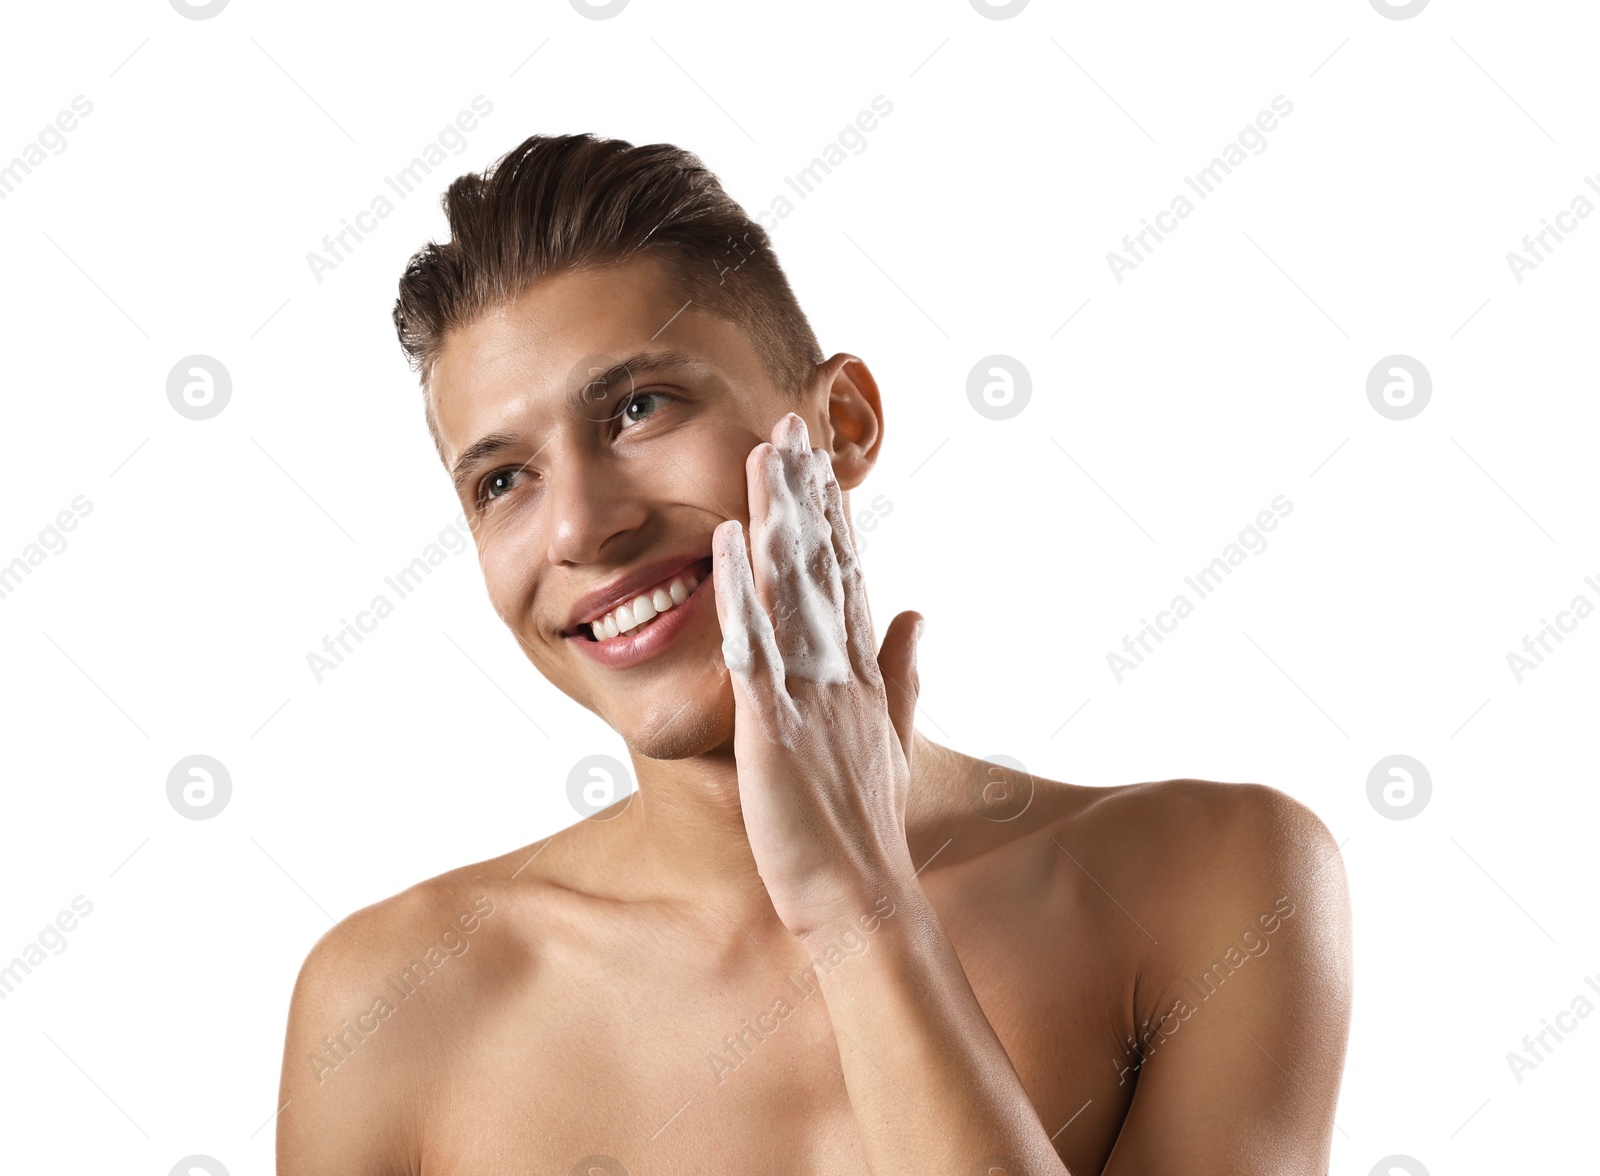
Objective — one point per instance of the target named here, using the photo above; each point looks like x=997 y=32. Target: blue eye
x=640 y=406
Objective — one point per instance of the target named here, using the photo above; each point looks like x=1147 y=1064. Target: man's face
x=590 y=495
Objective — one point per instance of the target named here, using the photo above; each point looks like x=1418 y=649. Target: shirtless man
x=813 y=941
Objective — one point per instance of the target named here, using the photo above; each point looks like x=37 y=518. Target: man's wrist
x=863 y=912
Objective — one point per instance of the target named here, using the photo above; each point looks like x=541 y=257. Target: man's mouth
x=643 y=609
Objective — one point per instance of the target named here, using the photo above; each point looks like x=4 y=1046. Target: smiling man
x=814 y=941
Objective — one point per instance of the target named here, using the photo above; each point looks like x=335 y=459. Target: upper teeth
x=644 y=607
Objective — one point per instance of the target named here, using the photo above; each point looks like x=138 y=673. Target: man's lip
x=593 y=605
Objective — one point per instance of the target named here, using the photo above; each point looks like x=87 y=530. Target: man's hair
x=562 y=202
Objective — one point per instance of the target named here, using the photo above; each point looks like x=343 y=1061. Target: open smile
x=645 y=625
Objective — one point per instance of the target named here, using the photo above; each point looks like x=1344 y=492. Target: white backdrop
x=1171 y=402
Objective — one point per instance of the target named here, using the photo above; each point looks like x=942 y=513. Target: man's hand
x=823 y=727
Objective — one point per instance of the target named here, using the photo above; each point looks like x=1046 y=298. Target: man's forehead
x=562 y=317
x=561 y=332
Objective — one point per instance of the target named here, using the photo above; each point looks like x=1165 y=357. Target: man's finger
x=794 y=554
x=899 y=664
x=749 y=648
x=857 y=615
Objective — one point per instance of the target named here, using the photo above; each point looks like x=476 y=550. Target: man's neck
x=685 y=832
x=684 y=836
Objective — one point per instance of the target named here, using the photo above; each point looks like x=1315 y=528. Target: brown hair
x=562 y=202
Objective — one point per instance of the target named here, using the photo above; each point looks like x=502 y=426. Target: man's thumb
x=897 y=661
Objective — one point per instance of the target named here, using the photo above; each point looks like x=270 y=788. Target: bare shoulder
x=1242 y=973
x=406 y=945
x=1204 y=824
x=362 y=1027
x=1206 y=821
x=1188 y=832
x=1154 y=872
x=1199 y=862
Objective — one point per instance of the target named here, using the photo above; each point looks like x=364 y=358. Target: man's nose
x=586 y=507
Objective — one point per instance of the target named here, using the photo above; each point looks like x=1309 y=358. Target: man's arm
x=1244 y=1059
x=822 y=736
x=1241 y=1073
x=340 y=1105
x=932 y=1088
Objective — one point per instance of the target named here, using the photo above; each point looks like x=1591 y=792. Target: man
x=814 y=941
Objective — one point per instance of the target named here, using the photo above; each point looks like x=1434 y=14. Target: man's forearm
x=932 y=1087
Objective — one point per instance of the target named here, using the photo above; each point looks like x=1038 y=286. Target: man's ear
x=854 y=418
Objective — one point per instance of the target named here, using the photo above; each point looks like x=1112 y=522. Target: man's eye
x=639 y=406
x=498 y=483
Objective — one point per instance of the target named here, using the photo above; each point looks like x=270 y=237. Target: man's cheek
x=708 y=474
x=508 y=557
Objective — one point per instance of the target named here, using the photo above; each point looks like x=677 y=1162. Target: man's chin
x=679 y=728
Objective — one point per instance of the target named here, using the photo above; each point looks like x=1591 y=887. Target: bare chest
x=660 y=1063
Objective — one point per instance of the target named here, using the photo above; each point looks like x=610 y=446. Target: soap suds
x=736 y=647
x=809 y=595
x=738 y=643
x=796 y=541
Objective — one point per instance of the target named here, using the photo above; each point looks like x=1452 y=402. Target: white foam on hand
x=808 y=593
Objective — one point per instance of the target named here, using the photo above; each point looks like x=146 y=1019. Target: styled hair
x=562 y=202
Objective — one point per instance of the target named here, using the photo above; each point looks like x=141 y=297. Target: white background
x=1228 y=368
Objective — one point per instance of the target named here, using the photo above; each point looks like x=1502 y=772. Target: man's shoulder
x=459 y=932
x=428 y=923
x=360 y=1041
x=1185 y=809
x=1197 y=856
x=1194 y=851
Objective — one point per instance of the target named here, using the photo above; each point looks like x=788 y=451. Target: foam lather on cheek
x=800 y=546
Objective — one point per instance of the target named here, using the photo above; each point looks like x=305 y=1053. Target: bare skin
x=1007 y=974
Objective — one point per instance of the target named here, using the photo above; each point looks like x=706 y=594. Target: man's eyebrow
x=643 y=363
x=478 y=451
x=580 y=401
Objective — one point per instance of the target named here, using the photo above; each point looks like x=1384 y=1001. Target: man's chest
x=664 y=1066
